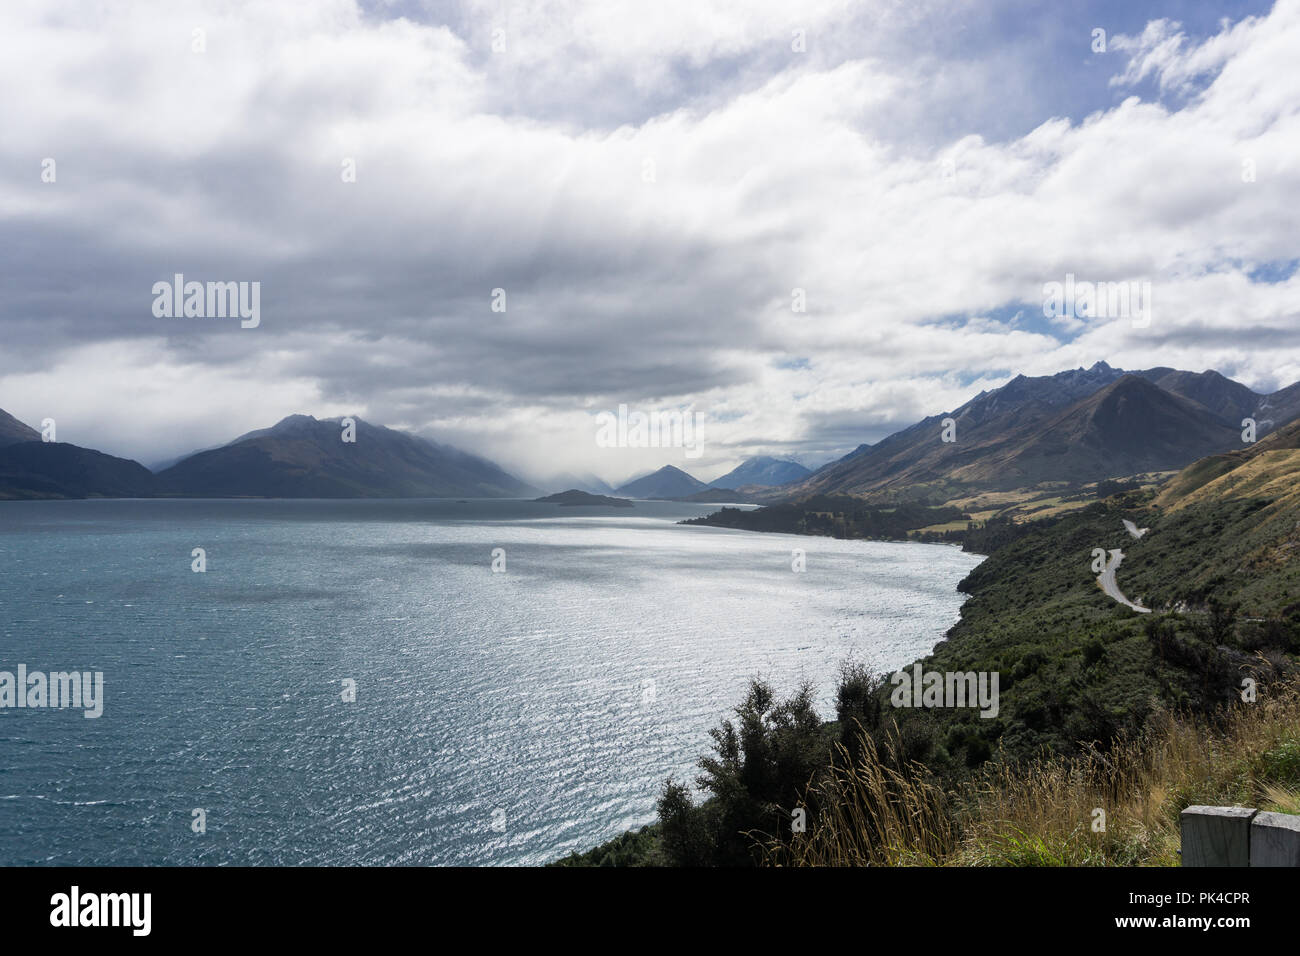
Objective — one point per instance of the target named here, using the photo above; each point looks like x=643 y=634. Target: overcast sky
x=649 y=184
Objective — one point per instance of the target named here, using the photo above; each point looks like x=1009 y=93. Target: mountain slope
x=1230 y=401
x=1058 y=428
x=1268 y=469
x=916 y=454
x=667 y=482
x=302 y=457
x=763 y=470
x=1219 y=566
x=31 y=468
x=1129 y=427
x=37 y=469
x=12 y=431
x=1277 y=409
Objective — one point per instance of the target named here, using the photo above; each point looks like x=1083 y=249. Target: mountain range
x=764 y=471
x=667 y=482
x=754 y=475
x=1076 y=426
x=1067 y=429
x=303 y=457
x=298 y=457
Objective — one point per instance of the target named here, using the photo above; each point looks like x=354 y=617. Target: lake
x=499 y=717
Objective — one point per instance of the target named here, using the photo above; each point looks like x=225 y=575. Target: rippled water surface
x=551 y=699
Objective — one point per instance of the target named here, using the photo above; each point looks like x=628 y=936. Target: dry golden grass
x=879 y=812
x=1268 y=474
x=872 y=812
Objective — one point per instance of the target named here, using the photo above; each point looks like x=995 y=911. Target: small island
x=573 y=498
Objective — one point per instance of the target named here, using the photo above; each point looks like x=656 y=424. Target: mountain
x=302 y=457
x=165 y=463
x=12 y=431
x=667 y=482
x=1270 y=469
x=1278 y=408
x=1069 y=427
x=1230 y=401
x=762 y=470
x=37 y=469
x=31 y=468
x=1130 y=427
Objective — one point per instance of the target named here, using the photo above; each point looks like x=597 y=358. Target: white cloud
x=792 y=172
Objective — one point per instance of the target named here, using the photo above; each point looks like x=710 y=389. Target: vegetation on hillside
x=1118 y=807
x=838 y=516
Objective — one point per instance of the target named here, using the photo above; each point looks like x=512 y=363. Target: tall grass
x=873 y=811
x=878 y=811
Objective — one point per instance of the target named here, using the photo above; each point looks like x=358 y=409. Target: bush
x=859 y=703
x=761 y=764
x=682 y=833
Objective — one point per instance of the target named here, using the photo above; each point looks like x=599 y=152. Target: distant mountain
x=1230 y=401
x=38 y=469
x=667 y=482
x=302 y=457
x=12 y=431
x=1065 y=427
x=31 y=468
x=165 y=463
x=762 y=470
x=1130 y=427
x=1277 y=409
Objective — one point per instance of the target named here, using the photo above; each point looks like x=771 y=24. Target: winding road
x=1107 y=581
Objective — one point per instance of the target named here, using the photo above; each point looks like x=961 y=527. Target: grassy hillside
x=1115 y=808
x=1217 y=566
x=838 y=516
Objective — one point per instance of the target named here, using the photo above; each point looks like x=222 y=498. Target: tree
x=682 y=828
x=859 y=704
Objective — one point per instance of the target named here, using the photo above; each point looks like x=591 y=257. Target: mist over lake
x=500 y=718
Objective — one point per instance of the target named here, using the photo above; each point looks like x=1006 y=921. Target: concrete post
x=1275 y=840
x=1216 y=836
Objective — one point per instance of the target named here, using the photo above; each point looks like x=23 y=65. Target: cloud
x=652 y=192
x=1164 y=52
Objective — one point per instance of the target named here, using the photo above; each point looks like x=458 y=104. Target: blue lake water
x=500 y=718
